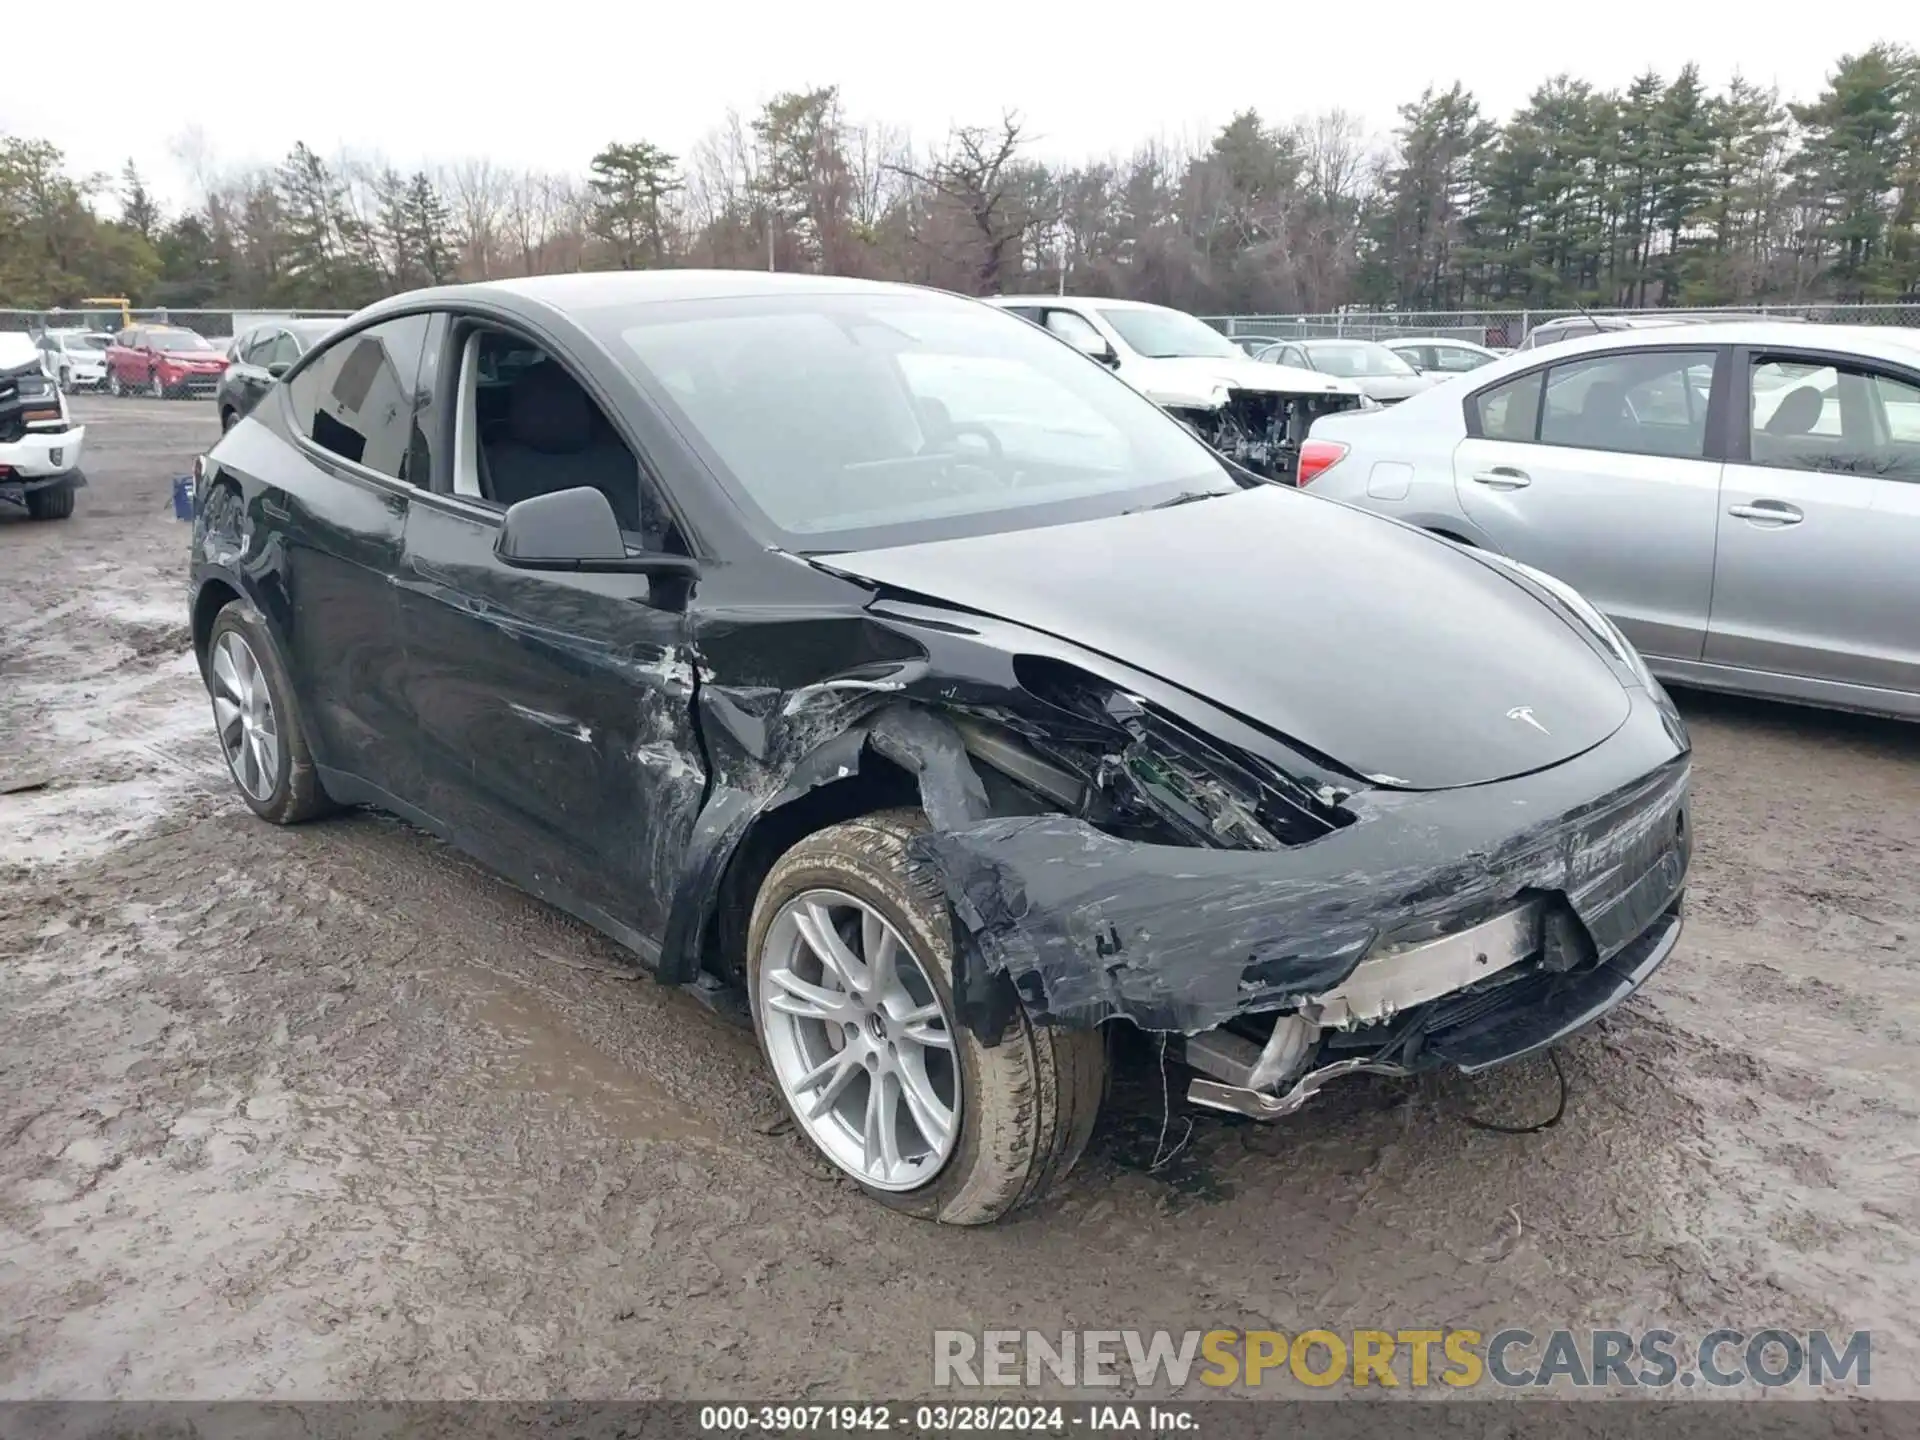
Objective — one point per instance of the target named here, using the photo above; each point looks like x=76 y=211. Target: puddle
x=546 y=1060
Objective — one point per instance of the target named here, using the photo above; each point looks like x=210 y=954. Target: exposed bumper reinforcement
x=1529 y=1023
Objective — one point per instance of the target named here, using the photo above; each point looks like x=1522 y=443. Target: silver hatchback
x=1743 y=499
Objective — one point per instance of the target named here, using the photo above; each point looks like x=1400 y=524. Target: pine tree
x=630 y=185
x=137 y=208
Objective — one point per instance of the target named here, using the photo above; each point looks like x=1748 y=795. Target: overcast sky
x=548 y=84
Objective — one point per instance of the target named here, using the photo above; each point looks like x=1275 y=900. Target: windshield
x=90 y=342
x=853 y=421
x=1170 y=334
x=1357 y=358
x=178 y=340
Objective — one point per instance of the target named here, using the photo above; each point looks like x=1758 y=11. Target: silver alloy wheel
x=154 y=387
x=243 y=715
x=859 y=1040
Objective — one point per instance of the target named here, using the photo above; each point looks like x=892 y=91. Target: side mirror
x=1095 y=347
x=278 y=368
x=576 y=530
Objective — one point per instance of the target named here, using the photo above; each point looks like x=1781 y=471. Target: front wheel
x=114 y=387
x=850 y=970
x=154 y=388
x=228 y=418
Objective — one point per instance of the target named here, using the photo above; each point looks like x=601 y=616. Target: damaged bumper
x=1532 y=1014
x=40 y=460
x=1358 y=950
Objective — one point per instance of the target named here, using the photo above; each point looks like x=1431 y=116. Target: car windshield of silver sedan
x=855 y=421
x=1356 y=359
x=1170 y=335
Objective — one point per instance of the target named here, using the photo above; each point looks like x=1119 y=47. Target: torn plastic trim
x=1090 y=928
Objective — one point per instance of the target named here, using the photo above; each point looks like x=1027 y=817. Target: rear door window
x=1632 y=402
x=1510 y=411
x=356 y=398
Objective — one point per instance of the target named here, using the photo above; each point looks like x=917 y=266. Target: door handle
x=1503 y=477
x=1777 y=512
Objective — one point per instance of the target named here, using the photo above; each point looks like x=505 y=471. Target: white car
x=1441 y=354
x=76 y=359
x=1741 y=499
x=39 y=444
x=1255 y=414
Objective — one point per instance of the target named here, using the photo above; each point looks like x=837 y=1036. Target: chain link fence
x=211 y=324
x=1506 y=328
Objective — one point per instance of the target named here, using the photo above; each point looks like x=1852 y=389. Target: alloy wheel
x=155 y=388
x=244 y=716
x=859 y=1040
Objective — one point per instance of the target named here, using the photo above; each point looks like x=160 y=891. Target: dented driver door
x=555 y=720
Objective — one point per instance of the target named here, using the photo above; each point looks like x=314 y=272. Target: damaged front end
x=1260 y=430
x=1113 y=848
x=1466 y=927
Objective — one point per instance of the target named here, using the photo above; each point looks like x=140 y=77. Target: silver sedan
x=1743 y=499
x=1382 y=376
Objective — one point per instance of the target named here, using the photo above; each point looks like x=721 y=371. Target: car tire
x=228 y=418
x=53 y=503
x=1026 y=1105
x=64 y=380
x=285 y=789
x=114 y=387
x=155 y=390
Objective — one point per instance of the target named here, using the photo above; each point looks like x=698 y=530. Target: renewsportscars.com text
x=1409 y=1358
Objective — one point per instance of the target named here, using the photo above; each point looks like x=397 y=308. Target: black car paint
x=632 y=757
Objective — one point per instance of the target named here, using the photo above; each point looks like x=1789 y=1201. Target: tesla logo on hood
x=1524 y=714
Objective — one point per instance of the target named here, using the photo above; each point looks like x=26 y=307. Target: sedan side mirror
x=278 y=368
x=576 y=530
x=1095 y=347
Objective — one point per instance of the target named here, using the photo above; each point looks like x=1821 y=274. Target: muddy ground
x=331 y=1112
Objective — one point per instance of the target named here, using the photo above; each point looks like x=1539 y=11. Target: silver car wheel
x=243 y=715
x=859 y=1040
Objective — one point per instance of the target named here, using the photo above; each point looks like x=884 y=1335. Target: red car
x=163 y=361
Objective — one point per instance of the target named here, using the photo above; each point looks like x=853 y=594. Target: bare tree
x=479 y=190
x=979 y=172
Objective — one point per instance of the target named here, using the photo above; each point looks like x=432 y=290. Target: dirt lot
x=332 y=1112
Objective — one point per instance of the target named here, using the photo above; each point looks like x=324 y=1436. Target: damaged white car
x=1254 y=414
x=39 y=443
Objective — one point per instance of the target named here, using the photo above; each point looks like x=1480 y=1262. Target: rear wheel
x=258 y=719
x=227 y=418
x=850 y=971
x=53 y=503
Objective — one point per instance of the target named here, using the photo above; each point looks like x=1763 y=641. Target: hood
x=1393 y=653
x=17 y=351
x=1191 y=381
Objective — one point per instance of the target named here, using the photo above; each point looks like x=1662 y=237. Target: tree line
x=1667 y=192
